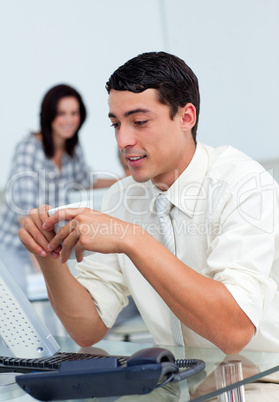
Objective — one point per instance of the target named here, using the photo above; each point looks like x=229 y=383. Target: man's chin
x=140 y=179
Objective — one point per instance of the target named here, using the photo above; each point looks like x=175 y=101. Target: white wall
x=233 y=47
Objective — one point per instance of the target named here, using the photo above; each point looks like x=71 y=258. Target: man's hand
x=86 y=230
x=33 y=236
x=78 y=314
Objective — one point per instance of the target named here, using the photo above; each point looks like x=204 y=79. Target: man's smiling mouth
x=136 y=158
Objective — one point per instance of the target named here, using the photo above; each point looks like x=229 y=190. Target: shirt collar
x=185 y=190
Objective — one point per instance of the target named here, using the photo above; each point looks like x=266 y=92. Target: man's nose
x=125 y=137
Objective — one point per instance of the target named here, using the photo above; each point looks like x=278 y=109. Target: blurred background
x=232 y=46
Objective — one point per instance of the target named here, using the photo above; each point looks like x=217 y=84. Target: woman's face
x=67 y=119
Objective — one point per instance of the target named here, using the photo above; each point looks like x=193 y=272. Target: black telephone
x=145 y=370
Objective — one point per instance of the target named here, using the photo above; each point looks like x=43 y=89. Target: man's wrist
x=133 y=239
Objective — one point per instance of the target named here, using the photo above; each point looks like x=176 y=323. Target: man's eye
x=115 y=125
x=140 y=122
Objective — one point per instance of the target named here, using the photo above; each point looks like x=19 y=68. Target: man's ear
x=188 y=116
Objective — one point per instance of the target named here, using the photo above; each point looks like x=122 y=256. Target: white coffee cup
x=60 y=224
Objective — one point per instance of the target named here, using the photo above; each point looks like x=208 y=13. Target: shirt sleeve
x=100 y=274
x=242 y=255
x=22 y=187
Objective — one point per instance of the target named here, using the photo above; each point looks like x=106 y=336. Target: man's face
x=155 y=146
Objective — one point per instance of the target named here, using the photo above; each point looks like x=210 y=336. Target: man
x=214 y=280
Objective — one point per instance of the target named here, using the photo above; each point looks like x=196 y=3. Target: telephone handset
x=170 y=365
x=144 y=371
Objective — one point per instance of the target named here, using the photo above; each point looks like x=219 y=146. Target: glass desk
x=200 y=387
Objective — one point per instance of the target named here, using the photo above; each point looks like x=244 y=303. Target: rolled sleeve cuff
x=106 y=287
x=253 y=297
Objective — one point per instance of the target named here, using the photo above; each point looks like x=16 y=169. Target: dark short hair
x=176 y=83
x=49 y=112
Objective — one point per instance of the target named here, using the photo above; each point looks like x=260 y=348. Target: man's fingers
x=43 y=235
x=69 y=243
x=30 y=244
x=43 y=212
x=33 y=237
x=61 y=235
x=79 y=252
x=41 y=239
x=66 y=214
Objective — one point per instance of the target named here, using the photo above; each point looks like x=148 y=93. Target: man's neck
x=167 y=181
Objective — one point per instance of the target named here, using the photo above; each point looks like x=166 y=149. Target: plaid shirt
x=36 y=180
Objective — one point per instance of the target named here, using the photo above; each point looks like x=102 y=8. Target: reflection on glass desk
x=200 y=387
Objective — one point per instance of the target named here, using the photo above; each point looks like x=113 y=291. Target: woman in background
x=46 y=167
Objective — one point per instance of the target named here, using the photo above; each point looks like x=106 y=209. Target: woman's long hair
x=49 y=112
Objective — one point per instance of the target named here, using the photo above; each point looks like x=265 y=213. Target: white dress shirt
x=226 y=226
